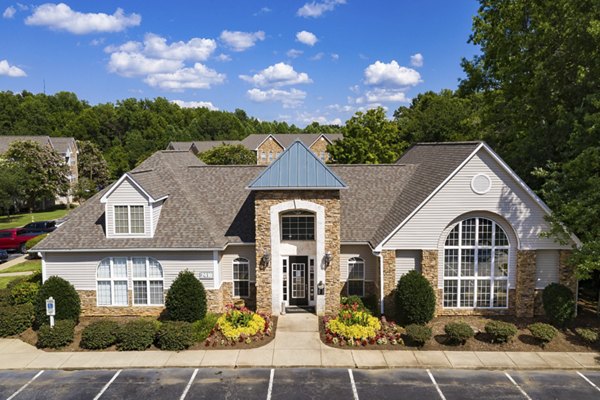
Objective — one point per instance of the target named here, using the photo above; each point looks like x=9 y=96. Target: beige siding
x=156 y=208
x=362 y=251
x=80 y=268
x=230 y=254
x=546 y=271
x=407 y=260
x=506 y=198
x=127 y=194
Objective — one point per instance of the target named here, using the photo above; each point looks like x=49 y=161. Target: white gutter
x=380 y=256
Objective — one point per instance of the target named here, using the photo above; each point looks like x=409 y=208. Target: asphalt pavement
x=298 y=383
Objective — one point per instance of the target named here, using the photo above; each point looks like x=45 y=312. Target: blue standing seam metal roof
x=297 y=168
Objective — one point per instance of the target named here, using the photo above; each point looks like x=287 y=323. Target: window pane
x=240 y=271
x=452 y=239
x=119 y=267
x=356 y=270
x=484 y=262
x=298 y=227
x=355 y=288
x=137 y=219
x=140 y=292
x=156 y=292
x=121 y=293
x=104 y=268
x=485 y=232
x=484 y=293
x=121 y=219
x=500 y=293
x=139 y=267
x=501 y=263
x=154 y=269
x=467 y=266
x=104 y=296
x=240 y=288
x=501 y=239
x=468 y=232
x=451 y=262
x=450 y=293
x=467 y=293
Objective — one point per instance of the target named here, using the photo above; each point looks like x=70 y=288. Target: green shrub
x=186 y=298
x=418 y=334
x=61 y=335
x=36 y=277
x=351 y=300
x=543 y=332
x=138 y=334
x=15 y=319
x=371 y=304
x=415 y=299
x=203 y=327
x=67 y=301
x=24 y=292
x=501 y=331
x=99 y=334
x=559 y=304
x=5 y=297
x=175 y=335
x=587 y=334
x=459 y=332
x=32 y=242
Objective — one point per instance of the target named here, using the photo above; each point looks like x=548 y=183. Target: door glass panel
x=298 y=280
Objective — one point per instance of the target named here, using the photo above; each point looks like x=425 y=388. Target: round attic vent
x=481 y=184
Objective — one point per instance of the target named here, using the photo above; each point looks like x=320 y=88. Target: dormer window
x=129 y=219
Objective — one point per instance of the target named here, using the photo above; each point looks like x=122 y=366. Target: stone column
x=429 y=269
x=566 y=272
x=263 y=246
x=389 y=282
x=333 y=282
x=525 y=290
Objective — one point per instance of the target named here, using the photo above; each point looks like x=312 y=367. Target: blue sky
x=296 y=61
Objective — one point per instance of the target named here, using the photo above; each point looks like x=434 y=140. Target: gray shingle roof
x=286 y=139
x=60 y=144
x=200 y=145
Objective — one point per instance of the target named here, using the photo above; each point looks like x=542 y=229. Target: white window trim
x=112 y=281
x=351 y=261
x=491 y=278
x=147 y=279
x=129 y=233
x=481 y=191
x=240 y=261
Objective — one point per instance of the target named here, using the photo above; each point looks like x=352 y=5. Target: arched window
x=356 y=277
x=297 y=225
x=241 y=277
x=148 y=283
x=476 y=265
x=111 y=280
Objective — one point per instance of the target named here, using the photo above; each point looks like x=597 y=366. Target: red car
x=15 y=239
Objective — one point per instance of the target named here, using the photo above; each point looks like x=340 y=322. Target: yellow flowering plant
x=242 y=323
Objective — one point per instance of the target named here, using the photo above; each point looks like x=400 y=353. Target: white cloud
x=340 y=108
x=308 y=118
x=335 y=56
x=9 y=12
x=316 y=9
x=391 y=74
x=195 y=104
x=381 y=95
x=136 y=64
x=11 y=70
x=197 y=77
x=307 y=38
x=317 y=57
x=240 y=41
x=196 y=49
x=280 y=74
x=416 y=60
x=264 y=10
x=223 y=57
x=288 y=98
x=293 y=53
x=97 y=42
x=62 y=17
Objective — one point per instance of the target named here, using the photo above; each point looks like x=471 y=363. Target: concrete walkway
x=12 y=262
x=296 y=344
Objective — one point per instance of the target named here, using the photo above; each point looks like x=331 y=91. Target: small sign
x=206 y=275
x=50 y=307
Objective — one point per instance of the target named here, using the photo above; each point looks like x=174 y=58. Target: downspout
x=380 y=256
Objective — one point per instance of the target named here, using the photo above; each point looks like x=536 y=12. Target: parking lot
x=290 y=384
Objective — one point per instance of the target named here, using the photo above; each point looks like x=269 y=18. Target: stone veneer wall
x=90 y=309
x=320 y=146
x=330 y=200
x=526 y=267
x=389 y=282
x=268 y=145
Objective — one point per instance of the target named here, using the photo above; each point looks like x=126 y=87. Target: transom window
x=111 y=278
x=476 y=264
x=356 y=277
x=148 y=283
x=297 y=225
x=129 y=219
x=241 y=277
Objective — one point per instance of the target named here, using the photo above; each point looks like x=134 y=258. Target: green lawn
x=5 y=279
x=18 y=220
x=29 y=265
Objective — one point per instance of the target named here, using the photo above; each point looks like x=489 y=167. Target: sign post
x=51 y=310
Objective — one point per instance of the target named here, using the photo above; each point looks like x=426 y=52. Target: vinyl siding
x=362 y=251
x=156 y=208
x=407 y=260
x=127 y=194
x=230 y=254
x=80 y=268
x=546 y=271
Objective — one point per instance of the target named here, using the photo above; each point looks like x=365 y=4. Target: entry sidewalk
x=296 y=344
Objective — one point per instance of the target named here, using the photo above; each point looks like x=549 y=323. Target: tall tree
x=92 y=168
x=11 y=189
x=228 y=155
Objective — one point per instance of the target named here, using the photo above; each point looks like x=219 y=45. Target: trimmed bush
x=459 y=332
x=186 y=298
x=588 y=335
x=32 y=242
x=350 y=300
x=559 y=304
x=5 y=297
x=418 y=334
x=543 y=332
x=204 y=327
x=501 y=331
x=24 y=292
x=61 y=335
x=99 y=334
x=68 y=305
x=175 y=335
x=415 y=299
x=138 y=334
x=15 y=319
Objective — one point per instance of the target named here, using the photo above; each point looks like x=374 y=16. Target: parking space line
x=524 y=393
x=108 y=384
x=354 y=391
x=189 y=385
x=270 y=390
x=588 y=381
x=25 y=385
x=436 y=385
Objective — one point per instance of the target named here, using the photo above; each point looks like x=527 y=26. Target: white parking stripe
x=270 y=384
x=517 y=386
x=108 y=384
x=436 y=385
x=25 y=385
x=354 y=391
x=189 y=385
x=588 y=381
